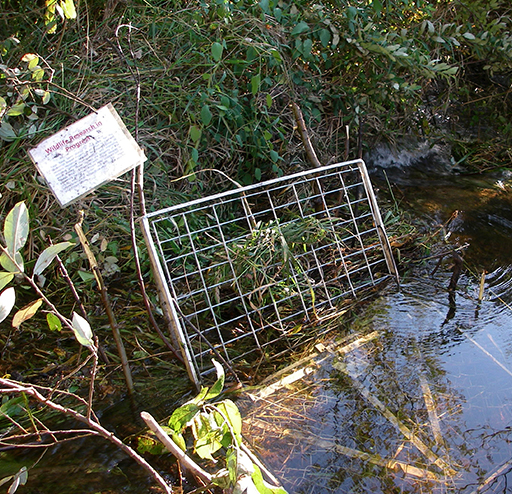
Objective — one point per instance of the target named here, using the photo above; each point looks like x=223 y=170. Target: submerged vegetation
x=206 y=87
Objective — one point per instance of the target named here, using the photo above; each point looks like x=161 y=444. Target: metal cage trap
x=254 y=271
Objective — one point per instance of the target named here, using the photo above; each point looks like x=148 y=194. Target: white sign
x=87 y=154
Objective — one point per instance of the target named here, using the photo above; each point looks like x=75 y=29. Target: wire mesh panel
x=253 y=272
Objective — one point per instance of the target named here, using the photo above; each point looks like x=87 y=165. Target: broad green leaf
x=85 y=276
x=7 y=132
x=182 y=416
x=7 y=301
x=255 y=83
x=307 y=46
x=206 y=115
x=269 y=100
x=16 y=228
x=16 y=110
x=68 y=7
x=26 y=313
x=300 y=28
x=149 y=444
x=325 y=37
x=8 y=265
x=230 y=411
x=46 y=97
x=82 y=330
x=5 y=278
x=217 y=50
x=217 y=388
x=33 y=62
x=195 y=133
x=469 y=35
x=232 y=464
x=179 y=440
x=48 y=255
x=54 y=323
x=38 y=75
x=264 y=5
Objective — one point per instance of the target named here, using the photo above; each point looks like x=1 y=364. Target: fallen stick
x=174 y=448
x=432 y=415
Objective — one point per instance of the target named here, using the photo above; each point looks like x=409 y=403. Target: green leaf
x=195 y=133
x=264 y=488
x=7 y=301
x=68 y=7
x=232 y=464
x=49 y=254
x=34 y=60
x=8 y=265
x=300 y=28
x=82 y=330
x=255 y=83
x=325 y=37
x=264 y=5
x=54 y=323
x=468 y=35
x=16 y=228
x=274 y=156
x=85 y=276
x=16 y=110
x=307 y=46
x=232 y=414
x=3 y=105
x=7 y=132
x=5 y=278
x=217 y=388
x=217 y=50
x=26 y=313
x=182 y=416
x=38 y=75
x=206 y=115
x=269 y=101
x=179 y=440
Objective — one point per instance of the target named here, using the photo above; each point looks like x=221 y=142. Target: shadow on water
x=418 y=397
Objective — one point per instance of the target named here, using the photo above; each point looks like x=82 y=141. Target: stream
x=415 y=398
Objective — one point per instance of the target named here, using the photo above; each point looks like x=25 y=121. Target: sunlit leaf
x=5 y=278
x=217 y=388
x=38 y=75
x=26 y=313
x=49 y=254
x=54 y=323
x=82 y=330
x=68 y=8
x=230 y=411
x=182 y=416
x=16 y=228
x=8 y=265
x=16 y=110
x=7 y=301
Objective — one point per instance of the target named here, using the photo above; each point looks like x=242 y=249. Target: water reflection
x=423 y=406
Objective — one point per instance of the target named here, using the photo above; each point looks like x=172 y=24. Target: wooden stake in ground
x=106 y=303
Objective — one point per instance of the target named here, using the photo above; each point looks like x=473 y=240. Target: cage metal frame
x=337 y=200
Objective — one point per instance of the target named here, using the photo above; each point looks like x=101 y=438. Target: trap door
x=252 y=273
